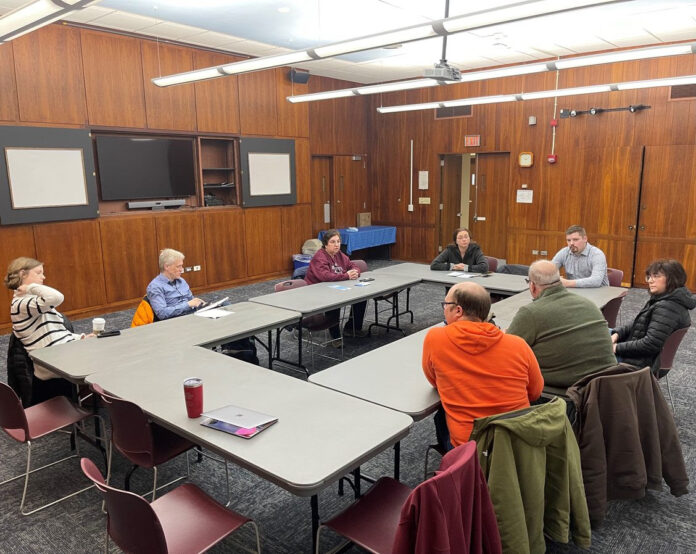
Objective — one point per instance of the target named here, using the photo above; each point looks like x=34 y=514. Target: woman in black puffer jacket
x=666 y=311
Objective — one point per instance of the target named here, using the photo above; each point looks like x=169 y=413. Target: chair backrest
x=12 y=414
x=289 y=284
x=131 y=431
x=20 y=370
x=669 y=349
x=615 y=277
x=492 y=263
x=144 y=314
x=132 y=523
x=361 y=265
x=450 y=504
x=610 y=311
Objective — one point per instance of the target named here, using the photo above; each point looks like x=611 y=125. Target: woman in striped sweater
x=35 y=320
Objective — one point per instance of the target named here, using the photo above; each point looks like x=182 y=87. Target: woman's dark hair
x=457 y=231
x=326 y=237
x=672 y=269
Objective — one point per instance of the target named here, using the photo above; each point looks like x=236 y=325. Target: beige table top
x=320 y=434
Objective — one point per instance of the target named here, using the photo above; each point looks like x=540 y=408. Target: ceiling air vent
x=454 y=111
x=682 y=91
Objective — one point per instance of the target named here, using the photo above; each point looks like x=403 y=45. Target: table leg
x=314 y=503
x=397 y=460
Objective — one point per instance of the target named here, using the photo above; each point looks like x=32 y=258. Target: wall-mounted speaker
x=298 y=76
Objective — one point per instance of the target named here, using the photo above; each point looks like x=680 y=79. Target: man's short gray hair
x=544 y=272
x=168 y=256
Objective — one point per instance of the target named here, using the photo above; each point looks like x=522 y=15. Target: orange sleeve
x=428 y=369
x=536 y=379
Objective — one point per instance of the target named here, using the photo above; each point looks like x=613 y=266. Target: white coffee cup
x=98 y=325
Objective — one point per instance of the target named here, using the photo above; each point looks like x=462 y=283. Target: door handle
x=631 y=227
x=323 y=184
x=642 y=227
x=340 y=181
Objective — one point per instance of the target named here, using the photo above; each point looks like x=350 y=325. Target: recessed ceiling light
x=392 y=46
x=284 y=9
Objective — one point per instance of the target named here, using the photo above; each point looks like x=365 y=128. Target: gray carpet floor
x=657 y=523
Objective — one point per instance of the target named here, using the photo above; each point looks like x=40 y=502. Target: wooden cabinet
x=219 y=175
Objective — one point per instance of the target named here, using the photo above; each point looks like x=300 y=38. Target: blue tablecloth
x=366 y=237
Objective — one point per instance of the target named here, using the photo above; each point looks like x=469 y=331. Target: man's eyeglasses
x=447 y=303
x=547 y=284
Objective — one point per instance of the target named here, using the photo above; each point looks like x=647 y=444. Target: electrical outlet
x=187 y=269
x=410 y=207
x=196 y=268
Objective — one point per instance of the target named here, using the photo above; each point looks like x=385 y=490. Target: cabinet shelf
x=218 y=165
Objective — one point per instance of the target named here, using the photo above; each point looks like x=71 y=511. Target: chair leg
x=669 y=391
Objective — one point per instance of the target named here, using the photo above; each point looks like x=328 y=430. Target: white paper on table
x=461 y=275
x=215 y=313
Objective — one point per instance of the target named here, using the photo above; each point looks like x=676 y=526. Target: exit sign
x=472 y=140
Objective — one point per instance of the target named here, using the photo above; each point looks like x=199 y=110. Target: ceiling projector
x=443 y=72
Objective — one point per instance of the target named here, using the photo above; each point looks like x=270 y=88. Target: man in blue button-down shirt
x=585 y=265
x=168 y=293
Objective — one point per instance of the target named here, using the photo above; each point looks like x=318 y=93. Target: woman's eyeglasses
x=653 y=277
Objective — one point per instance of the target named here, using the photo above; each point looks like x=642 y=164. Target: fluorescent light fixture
x=592 y=89
x=627 y=55
x=497 y=99
x=410 y=107
x=328 y=95
x=516 y=70
x=520 y=10
x=669 y=82
x=37 y=14
x=188 y=77
x=441 y=27
x=398 y=36
x=391 y=87
x=254 y=64
x=512 y=71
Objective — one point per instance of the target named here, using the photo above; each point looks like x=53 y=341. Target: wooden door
x=666 y=214
x=487 y=215
x=599 y=191
x=451 y=198
x=321 y=194
x=347 y=176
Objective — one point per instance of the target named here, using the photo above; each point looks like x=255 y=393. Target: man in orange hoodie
x=476 y=368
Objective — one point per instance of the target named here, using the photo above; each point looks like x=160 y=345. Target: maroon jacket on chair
x=450 y=512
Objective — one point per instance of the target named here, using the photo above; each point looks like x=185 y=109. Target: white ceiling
x=266 y=27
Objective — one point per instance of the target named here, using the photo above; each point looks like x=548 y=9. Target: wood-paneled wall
x=68 y=76
x=596 y=181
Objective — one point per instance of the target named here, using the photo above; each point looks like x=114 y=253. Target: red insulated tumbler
x=193 y=393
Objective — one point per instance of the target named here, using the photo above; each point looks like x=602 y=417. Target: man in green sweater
x=567 y=332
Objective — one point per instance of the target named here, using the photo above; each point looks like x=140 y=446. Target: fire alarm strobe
x=552 y=158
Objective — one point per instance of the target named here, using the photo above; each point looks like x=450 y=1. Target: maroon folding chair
x=28 y=424
x=142 y=442
x=184 y=520
x=492 y=263
x=388 y=518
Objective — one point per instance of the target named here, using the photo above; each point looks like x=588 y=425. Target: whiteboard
x=46 y=177
x=269 y=174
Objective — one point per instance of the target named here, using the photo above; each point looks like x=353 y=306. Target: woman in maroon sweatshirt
x=330 y=264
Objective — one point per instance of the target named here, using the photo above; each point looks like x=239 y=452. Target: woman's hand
x=353 y=273
x=22 y=289
x=614 y=338
x=460 y=267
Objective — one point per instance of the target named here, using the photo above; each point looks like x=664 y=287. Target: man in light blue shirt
x=168 y=293
x=585 y=265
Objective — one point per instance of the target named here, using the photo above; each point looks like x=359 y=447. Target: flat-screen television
x=143 y=167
